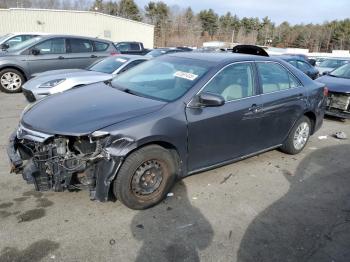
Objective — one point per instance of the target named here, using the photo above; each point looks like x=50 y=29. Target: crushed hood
x=84 y=110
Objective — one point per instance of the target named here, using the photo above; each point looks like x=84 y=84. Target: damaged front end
x=54 y=162
x=338 y=104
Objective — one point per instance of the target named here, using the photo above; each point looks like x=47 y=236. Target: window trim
x=255 y=79
x=287 y=69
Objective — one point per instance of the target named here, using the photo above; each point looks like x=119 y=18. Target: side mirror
x=35 y=51
x=4 y=46
x=207 y=100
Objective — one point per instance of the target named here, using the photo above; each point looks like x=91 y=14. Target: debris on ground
x=169 y=208
x=230 y=234
x=184 y=226
x=313 y=148
x=194 y=198
x=322 y=137
x=340 y=135
x=287 y=173
x=170 y=194
x=112 y=242
x=226 y=178
x=140 y=226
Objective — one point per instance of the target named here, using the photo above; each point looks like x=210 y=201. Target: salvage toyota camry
x=168 y=118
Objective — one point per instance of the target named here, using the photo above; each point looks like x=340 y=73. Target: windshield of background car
x=3 y=37
x=332 y=63
x=109 y=65
x=343 y=71
x=166 y=78
x=24 y=44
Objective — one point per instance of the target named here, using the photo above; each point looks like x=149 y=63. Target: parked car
x=43 y=53
x=303 y=57
x=330 y=64
x=12 y=39
x=163 y=51
x=132 y=48
x=163 y=120
x=338 y=83
x=57 y=81
x=301 y=64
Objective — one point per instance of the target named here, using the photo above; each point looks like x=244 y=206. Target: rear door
x=218 y=134
x=52 y=56
x=284 y=100
x=80 y=53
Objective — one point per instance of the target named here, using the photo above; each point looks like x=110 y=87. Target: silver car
x=57 y=81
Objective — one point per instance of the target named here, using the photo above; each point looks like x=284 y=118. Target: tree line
x=176 y=26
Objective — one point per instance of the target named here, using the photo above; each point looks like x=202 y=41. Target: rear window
x=80 y=45
x=100 y=46
x=135 y=47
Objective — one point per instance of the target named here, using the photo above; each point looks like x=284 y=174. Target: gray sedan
x=57 y=81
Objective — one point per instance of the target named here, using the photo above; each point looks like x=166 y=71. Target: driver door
x=230 y=131
x=52 y=55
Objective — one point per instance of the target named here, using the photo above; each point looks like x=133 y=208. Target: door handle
x=93 y=56
x=60 y=57
x=255 y=108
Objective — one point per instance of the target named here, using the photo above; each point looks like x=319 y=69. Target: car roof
x=221 y=57
x=75 y=36
x=287 y=57
x=131 y=57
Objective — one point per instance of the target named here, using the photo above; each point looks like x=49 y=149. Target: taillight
x=325 y=91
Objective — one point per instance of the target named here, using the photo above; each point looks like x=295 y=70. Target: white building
x=84 y=23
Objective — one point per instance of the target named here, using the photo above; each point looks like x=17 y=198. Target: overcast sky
x=293 y=11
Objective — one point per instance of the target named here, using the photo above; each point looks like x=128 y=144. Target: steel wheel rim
x=147 y=178
x=11 y=81
x=301 y=135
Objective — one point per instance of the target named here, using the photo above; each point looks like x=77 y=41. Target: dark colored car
x=163 y=51
x=131 y=48
x=301 y=64
x=303 y=57
x=338 y=83
x=51 y=52
x=163 y=120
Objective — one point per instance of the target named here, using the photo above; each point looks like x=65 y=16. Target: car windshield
x=24 y=44
x=3 y=37
x=332 y=63
x=166 y=78
x=109 y=65
x=342 y=72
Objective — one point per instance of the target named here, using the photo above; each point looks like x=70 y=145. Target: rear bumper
x=338 y=113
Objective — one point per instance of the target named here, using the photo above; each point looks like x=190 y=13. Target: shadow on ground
x=312 y=221
x=172 y=231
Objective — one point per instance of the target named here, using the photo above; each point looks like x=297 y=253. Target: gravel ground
x=272 y=207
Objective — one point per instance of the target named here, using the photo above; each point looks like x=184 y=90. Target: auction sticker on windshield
x=121 y=60
x=185 y=75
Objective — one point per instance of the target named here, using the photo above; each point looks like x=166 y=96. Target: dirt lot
x=273 y=207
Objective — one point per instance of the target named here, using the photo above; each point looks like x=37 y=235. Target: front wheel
x=298 y=137
x=145 y=177
x=11 y=80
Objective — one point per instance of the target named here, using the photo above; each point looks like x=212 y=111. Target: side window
x=123 y=47
x=303 y=66
x=293 y=63
x=234 y=82
x=52 y=46
x=275 y=77
x=100 y=46
x=135 y=47
x=131 y=65
x=80 y=45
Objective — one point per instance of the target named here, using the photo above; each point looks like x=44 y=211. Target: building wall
x=82 y=23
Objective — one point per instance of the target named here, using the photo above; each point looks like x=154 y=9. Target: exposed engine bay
x=338 y=104
x=59 y=163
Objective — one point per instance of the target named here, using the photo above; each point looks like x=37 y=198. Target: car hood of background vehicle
x=78 y=76
x=336 y=84
x=84 y=110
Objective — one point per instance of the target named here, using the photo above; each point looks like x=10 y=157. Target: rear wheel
x=298 y=137
x=145 y=177
x=11 y=80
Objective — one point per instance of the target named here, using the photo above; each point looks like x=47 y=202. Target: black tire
x=11 y=88
x=289 y=147
x=128 y=184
